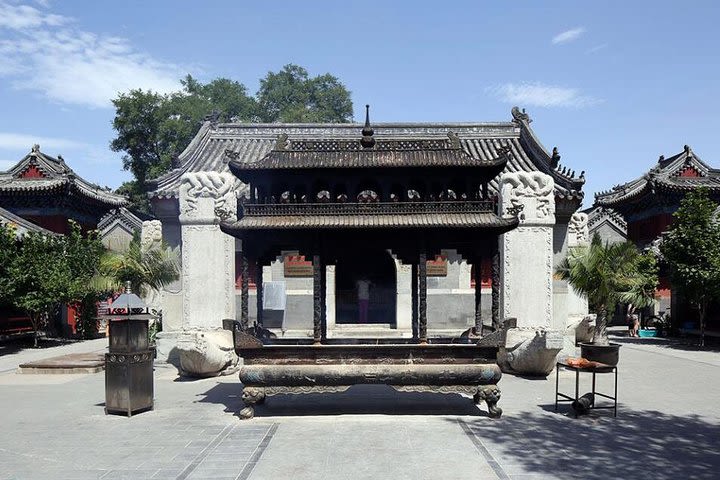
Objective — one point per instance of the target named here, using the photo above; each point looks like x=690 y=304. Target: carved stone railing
x=379 y=208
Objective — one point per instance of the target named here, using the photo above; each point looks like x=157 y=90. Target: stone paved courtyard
x=668 y=426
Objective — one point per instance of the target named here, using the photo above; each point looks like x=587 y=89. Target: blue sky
x=612 y=84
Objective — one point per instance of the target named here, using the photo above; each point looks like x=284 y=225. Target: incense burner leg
x=251 y=396
x=490 y=394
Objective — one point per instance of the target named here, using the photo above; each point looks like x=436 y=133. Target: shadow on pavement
x=636 y=444
x=360 y=399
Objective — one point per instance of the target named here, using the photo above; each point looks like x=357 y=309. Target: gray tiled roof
x=665 y=176
x=417 y=220
x=364 y=159
x=57 y=176
x=252 y=142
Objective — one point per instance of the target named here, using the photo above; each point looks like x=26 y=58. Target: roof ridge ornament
x=281 y=142
x=555 y=158
x=367 y=141
x=35 y=148
x=520 y=116
x=454 y=140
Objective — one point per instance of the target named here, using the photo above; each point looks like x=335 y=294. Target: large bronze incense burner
x=272 y=369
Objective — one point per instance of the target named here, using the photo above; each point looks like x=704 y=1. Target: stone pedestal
x=208 y=265
x=206 y=353
x=530 y=351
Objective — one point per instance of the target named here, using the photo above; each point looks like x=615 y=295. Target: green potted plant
x=608 y=274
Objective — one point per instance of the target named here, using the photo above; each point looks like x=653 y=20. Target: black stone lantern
x=129 y=362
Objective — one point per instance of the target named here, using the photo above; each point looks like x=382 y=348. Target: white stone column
x=330 y=314
x=526 y=274
x=403 y=306
x=578 y=235
x=526 y=268
x=208 y=254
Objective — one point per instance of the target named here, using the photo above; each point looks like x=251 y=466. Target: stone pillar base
x=530 y=351
x=206 y=353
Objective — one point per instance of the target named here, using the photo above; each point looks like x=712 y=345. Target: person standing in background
x=363 y=293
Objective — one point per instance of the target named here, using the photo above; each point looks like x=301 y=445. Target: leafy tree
x=153 y=129
x=80 y=257
x=290 y=95
x=38 y=278
x=46 y=271
x=139 y=118
x=691 y=249
x=144 y=269
x=8 y=250
x=608 y=274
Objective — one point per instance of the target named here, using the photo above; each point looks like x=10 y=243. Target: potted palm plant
x=607 y=275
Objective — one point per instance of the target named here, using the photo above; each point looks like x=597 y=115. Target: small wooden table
x=594 y=368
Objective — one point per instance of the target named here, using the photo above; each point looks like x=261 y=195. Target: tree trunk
x=600 y=335
x=34 y=323
x=703 y=311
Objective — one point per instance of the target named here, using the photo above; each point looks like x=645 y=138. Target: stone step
x=65 y=364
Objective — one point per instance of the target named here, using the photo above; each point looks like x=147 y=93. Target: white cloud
x=568 y=35
x=541 y=95
x=18 y=17
x=597 y=48
x=73 y=66
x=20 y=141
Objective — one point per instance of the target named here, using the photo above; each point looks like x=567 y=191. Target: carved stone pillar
x=578 y=236
x=575 y=323
x=244 y=292
x=526 y=272
x=208 y=255
x=208 y=269
x=151 y=237
x=422 y=294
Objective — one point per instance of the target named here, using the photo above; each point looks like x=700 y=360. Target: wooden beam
x=478 y=294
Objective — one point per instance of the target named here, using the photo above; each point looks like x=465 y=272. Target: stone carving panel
x=529 y=193
x=151 y=235
x=206 y=196
x=578 y=233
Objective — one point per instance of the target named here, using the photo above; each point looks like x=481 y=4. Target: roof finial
x=367 y=140
x=555 y=159
x=36 y=148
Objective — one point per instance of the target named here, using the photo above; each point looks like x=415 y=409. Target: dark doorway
x=365 y=288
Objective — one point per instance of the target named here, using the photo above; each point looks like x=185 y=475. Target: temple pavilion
x=647 y=204
x=47 y=192
x=43 y=194
x=346 y=202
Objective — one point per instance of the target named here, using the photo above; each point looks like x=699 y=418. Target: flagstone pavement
x=668 y=426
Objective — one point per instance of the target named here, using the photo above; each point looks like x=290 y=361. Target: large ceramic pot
x=607 y=354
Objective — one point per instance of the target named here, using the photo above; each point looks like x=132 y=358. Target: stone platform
x=66 y=364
